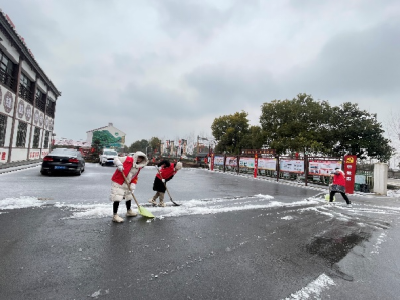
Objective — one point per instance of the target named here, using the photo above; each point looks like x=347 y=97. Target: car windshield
x=110 y=153
x=63 y=152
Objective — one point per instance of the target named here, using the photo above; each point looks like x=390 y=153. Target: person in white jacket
x=130 y=166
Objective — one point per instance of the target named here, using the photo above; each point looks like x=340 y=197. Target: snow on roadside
x=393 y=193
x=22 y=202
x=190 y=207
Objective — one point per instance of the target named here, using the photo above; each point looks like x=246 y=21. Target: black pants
x=116 y=205
x=343 y=195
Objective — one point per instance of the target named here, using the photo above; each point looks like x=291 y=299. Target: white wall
x=51 y=95
x=28 y=71
x=41 y=86
x=380 y=178
x=3 y=154
x=18 y=154
x=5 y=91
x=11 y=52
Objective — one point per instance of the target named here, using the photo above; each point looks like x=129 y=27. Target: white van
x=107 y=156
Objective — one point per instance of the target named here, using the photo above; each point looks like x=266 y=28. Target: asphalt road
x=232 y=238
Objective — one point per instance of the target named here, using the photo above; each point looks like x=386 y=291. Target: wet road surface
x=232 y=238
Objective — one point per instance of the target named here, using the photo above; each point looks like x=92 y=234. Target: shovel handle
x=129 y=188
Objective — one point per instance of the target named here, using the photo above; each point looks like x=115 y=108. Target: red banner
x=255 y=165
x=350 y=165
x=212 y=162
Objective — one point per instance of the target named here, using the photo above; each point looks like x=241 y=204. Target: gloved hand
x=120 y=168
x=163 y=180
x=133 y=187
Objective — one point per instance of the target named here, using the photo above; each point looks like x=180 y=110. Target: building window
x=6 y=70
x=21 y=134
x=50 y=107
x=36 y=136
x=25 y=86
x=3 y=126
x=46 y=140
x=40 y=102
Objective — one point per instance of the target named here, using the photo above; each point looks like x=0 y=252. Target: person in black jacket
x=166 y=173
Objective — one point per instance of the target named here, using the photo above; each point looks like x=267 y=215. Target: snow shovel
x=170 y=198
x=142 y=211
x=327 y=195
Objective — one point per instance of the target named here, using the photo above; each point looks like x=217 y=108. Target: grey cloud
x=365 y=62
x=222 y=87
x=199 y=17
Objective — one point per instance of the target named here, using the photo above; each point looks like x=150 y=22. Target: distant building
x=27 y=99
x=109 y=136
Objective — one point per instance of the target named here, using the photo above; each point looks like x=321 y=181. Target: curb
x=17 y=168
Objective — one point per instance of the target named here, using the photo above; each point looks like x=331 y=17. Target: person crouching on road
x=338 y=186
x=167 y=171
x=130 y=166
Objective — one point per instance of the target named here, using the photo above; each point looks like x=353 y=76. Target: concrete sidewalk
x=18 y=165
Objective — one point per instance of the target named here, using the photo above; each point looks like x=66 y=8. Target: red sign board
x=255 y=165
x=212 y=162
x=258 y=151
x=350 y=165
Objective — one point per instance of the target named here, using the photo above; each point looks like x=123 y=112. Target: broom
x=142 y=211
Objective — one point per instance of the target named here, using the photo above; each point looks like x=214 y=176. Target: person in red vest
x=338 y=186
x=130 y=166
x=167 y=170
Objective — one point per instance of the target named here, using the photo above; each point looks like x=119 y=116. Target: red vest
x=128 y=164
x=339 y=179
x=167 y=172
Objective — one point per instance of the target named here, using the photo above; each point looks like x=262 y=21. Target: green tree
x=231 y=132
x=353 y=130
x=155 y=144
x=298 y=125
x=306 y=125
x=139 y=145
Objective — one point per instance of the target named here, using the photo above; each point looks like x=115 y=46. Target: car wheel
x=79 y=172
x=43 y=172
x=83 y=169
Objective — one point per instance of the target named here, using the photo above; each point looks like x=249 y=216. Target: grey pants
x=159 y=195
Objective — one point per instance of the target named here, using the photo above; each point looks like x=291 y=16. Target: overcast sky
x=168 y=68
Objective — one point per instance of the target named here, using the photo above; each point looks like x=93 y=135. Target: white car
x=107 y=156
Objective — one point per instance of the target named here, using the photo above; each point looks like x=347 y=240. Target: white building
x=115 y=132
x=27 y=99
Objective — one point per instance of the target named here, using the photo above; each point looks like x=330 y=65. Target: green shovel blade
x=145 y=213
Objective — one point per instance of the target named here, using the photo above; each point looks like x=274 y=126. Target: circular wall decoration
x=36 y=117
x=28 y=112
x=41 y=120
x=8 y=102
x=21 y=109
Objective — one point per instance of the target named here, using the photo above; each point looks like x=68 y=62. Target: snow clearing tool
x=165 y=184
x=329 y=189
x=142 y=211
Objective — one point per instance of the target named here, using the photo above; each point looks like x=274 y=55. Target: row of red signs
x=350 y=165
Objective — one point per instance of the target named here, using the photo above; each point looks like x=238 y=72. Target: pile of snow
x=393 y=193
x=190 y=207
x=89 y=211
x=22 y=202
